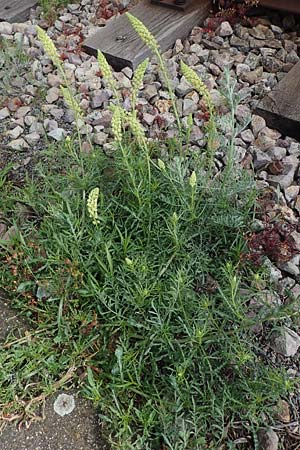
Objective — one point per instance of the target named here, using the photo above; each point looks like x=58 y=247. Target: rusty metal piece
x=286 y=5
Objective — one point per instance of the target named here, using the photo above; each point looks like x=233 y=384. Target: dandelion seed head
x=64 y=404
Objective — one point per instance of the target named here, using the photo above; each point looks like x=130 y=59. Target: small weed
x=275 y=242
x=14 y=63
x=51 y=7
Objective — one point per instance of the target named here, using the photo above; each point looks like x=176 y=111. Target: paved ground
x=79 y=430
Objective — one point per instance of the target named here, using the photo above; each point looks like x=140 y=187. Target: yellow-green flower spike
x=143 y=32
x=70 y=101
x=193 y=180
x=104 y=66
x=137 y=80
x=136 y=128
x=161 y=165
x=116 y=124
x=129 y=262
x=192 y=77
x=92 y=205
x=174 y=218
x=49 y=47
x=107 y=72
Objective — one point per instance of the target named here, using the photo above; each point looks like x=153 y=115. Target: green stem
x=171 y=93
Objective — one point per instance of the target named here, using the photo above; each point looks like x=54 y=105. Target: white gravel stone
x=183 y=88
x=50 y=124
x=274 y=273
x=53 y=95
x=258 y=123
x=21 y=39
x=100 y=98
x=150 y=91
x=53 y=80
x=6 y=28
x=261 y=159
x=189 y=107
x=254 y=76
x=277 y=153
x=217 y=98
x=243 y=113
x=22 y=111
x=291 y=192
x=21 y=27
x=276 y=29
x=32 y=138
x=18 y=144
x=223 y=60
x=148 y=118
x=4 y=113
x=197 y=49
x=225 y=29
x=58 y=134
x=15 y=132
x=268 y=439
x=294 y=149
x=128 y=72
x=292 y=266
x=36 y=127
x=57 y=113
x=178 y=47
x=122 y=80
x=29 y=120
x=286 y=178
x=247 y=136
x=285 y=341
x=241 y=68
x=100 y=138
x=264 y=143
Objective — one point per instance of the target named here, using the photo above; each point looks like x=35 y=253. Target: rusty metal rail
x=181 y=5
x=285 y=5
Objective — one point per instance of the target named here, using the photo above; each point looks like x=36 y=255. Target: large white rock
x=286 y=342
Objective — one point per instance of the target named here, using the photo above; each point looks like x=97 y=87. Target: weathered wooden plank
x=15 y=10
x=286 y=5
x=123 y=47
x=281 y=107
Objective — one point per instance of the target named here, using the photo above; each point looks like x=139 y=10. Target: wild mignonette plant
x=66 y=90
x=133 y=280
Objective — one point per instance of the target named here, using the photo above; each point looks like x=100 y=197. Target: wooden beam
x=281 y=107
x=123 y=47
x=15 y=10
